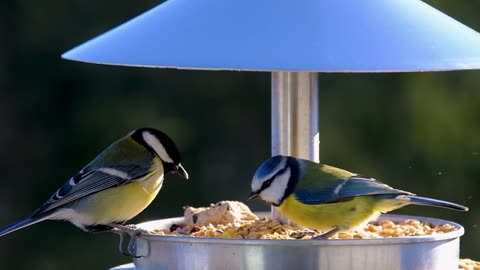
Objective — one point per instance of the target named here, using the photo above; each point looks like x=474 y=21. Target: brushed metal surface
x=295 y=115
x=440 y=251
x=295 y=118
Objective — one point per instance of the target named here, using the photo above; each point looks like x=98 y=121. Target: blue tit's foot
x=127 y=231
x=300 y=234
x=326 y=235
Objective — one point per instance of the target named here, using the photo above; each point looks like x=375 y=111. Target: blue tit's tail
x=412 y=199
x=25 y=222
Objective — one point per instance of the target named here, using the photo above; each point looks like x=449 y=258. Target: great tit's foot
x=326 y=235
x=98 y=228
x=127 y=231
x=127 y=228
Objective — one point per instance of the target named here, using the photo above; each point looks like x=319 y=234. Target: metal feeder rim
x=328 y=242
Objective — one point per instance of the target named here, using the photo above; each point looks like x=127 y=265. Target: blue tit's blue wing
x=326 y=184
x=92 y=180
x=359 y=186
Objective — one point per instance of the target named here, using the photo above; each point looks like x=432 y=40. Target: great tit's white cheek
x=157 y=146
x=275 y=192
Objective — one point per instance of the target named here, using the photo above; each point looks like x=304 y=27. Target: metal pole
x=295 y=117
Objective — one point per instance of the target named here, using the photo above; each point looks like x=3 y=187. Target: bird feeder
x=294 y=40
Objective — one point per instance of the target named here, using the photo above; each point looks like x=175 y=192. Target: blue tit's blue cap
x=268 y=166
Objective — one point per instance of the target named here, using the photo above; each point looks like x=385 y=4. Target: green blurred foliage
x=415 y=131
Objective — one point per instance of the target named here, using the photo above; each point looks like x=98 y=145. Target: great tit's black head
x=162 y=146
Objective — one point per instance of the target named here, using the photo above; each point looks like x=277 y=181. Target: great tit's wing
x=323 y=184
x=89 y=181
x=109 y=169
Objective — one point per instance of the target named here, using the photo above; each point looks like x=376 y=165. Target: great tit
x=326 y=198
x=114 y=187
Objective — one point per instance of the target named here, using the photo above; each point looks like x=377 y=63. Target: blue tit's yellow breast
x=344 y=215
x=124 y=202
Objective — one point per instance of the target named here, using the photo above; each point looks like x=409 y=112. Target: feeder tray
x=438 y=251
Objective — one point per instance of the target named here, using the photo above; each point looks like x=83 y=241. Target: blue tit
x=114 y=187
x=326 y=198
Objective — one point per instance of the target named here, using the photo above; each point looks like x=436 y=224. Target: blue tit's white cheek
x=274 y=193
x=157 y=146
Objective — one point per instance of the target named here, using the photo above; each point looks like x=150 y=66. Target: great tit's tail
x=412 y=199
x=25 y=222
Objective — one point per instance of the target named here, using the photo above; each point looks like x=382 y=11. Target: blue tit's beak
x=181 y=171
x=253 y=195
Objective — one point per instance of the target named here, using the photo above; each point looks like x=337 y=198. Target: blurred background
x=414 y=131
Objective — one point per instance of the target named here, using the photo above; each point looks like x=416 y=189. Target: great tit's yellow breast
x=124 y=202
x=344 y=215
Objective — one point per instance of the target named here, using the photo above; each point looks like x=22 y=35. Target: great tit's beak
x=181 y=171
x=253 y=195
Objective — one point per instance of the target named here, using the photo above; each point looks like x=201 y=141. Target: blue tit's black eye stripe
x=267 y=183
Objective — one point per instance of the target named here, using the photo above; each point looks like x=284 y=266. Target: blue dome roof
x=288 y=35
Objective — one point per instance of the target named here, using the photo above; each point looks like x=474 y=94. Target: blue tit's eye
x=266 y=184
